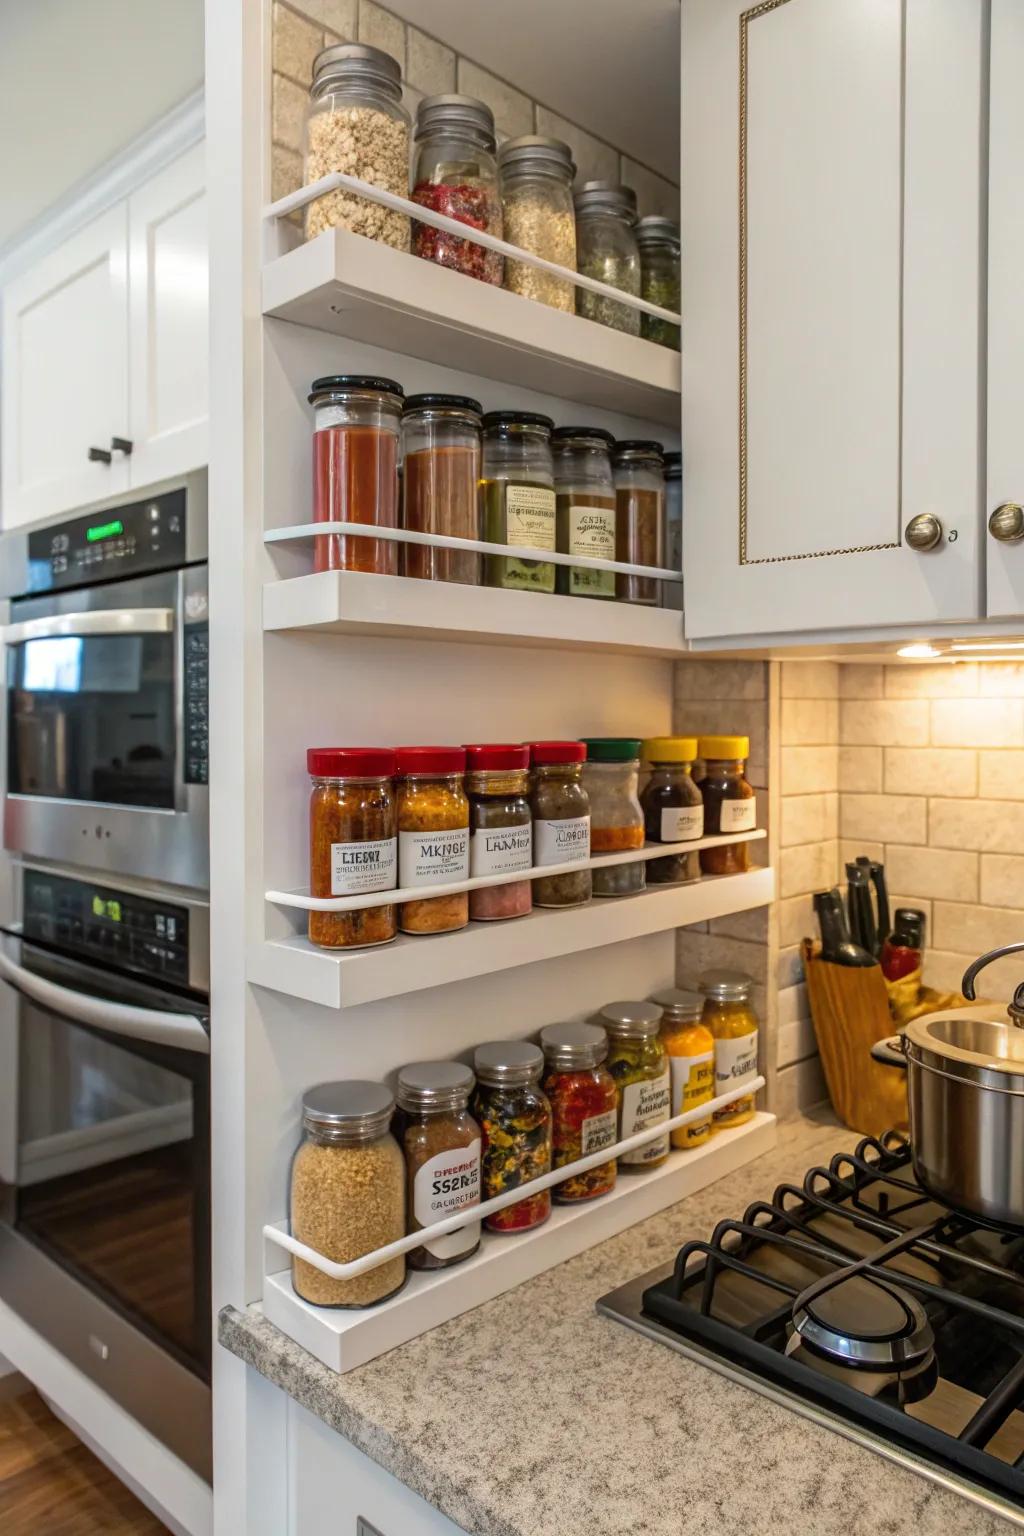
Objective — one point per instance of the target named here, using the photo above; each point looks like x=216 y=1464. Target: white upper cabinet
x=831 y=211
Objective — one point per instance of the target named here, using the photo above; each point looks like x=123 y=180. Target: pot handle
x=890 y=1052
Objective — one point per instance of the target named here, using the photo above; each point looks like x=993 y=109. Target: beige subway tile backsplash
x=595 y=160
x=1001 y=679
x=938 y=872
x=990 y=826
x=944 y=969
x=1002 y=880
x=977 y=723
x=808 y=818
x=809 y=770
x=810 y=867
x=382 y=29
x=969 y=929
x=858 y=680
x=337 y=16
x=296 y=44
x=859 y=847
x=884 y=722
x=734 y=680
x=943 y=680
x=884 y=818
x=1001 y=775
x=513 y=112
x=288 y=113
x=860 y=770
x=931 y=771
x=810 y=722
x=809 y=680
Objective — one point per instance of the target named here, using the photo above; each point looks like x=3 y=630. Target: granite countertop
x=556 y=1419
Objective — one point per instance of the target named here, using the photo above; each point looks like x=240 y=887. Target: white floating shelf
x=352 y=602
x=365 y=290
x=412 y=963
x=344 y=1339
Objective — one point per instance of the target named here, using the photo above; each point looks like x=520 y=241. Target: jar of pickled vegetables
x=611 y=776
x=730 y=1016
x=584 y=1106
x=730 y=802
x=638 y=1063
x=690 y=1047
x=515 y=1119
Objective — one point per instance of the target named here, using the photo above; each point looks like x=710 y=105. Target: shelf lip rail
x=339 y=181
x=402 y=1245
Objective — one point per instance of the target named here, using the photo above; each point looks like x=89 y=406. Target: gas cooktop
x=859 y=1302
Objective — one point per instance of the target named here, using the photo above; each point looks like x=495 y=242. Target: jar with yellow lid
x=730 y=1016
x=673 y=807
x=690 y=1047
x=730 y=803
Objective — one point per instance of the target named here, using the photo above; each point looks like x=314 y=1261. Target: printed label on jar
x=501 y=850
x=735 y=1060
x=644 y=1105
x=447 y=1183
x=598 y=1132
x=360 y=867
x=739 y=815
x=562 y=842
x=530 y=516
x=433 y=858
x=682 y=823
x=693 y=1084
x=592 y=533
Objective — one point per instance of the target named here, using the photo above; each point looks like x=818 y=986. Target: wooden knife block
x=850 y=1009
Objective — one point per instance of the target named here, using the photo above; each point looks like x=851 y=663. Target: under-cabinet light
x=986 y=645
x=920 y=651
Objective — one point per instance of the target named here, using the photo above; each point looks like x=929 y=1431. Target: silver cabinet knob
x=1007 y=523
x=923 y=532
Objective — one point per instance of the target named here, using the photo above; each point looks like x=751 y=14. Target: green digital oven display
x=104 y=531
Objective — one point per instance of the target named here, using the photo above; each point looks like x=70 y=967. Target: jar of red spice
x=433 y=836
x=352 y=842
x=440 y=485
x=584 y=1106
x=500 y=829
x=355 y=469
x=456 y=174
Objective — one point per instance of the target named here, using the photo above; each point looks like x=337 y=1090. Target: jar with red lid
x=501 y=828
x=355 y=469
x=561 y=822
x=584 y=1106
x=353 y=849
x=433 y=836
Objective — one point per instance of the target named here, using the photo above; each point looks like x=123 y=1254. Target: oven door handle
x=102 y=621
x=152 y=1024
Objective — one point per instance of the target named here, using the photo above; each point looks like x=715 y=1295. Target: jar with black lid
x=441 y=452
x=639 y=516
x=515 y=1118
x=356 y=423
x=585 y=508
x=517 y=495
x=441 y=1141
x=456 y=174
x=606 y=249
x=657 y=239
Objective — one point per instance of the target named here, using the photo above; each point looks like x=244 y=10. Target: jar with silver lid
x=730 y=1016
x=515 y=1118
x=658 y=241
x=690 y=1047
x=356 y=123
x=638 y=1063
x=441 y=1142
x=584 y=1103
x=606 y=249
x=456 y=174
x=347 y=1192
x=536 y=175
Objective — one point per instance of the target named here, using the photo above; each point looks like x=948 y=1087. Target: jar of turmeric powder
x=352 y=842
x=433 y=836
x=611 y=778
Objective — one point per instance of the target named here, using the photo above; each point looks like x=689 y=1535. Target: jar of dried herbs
x=610 y=777
x=730 y=802
x=536 y=175
x=501 y=829
x=515 y=1118
x=353 y=842
x=517 y=495
x=638 y=1063
x=348 y=1192
x=584 y=508
x=433 y=836
x=441 y=1142
x=606 y=249
x=690 y=1047
x=561 y=822
x=673 y=807
x=440 y=485
x=584 y=1106
x=639 y=517
x=658 y=241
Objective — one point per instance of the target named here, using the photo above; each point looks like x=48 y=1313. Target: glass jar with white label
x=673 y=807
x=585 y=508
x=561 y=822
x=730 y=802
x=517 y=498
x=638 y=1062
x=690 y=1047
x=433 y=836
x=584 y=1107
x=500 y=829
x=730 y=1016
x=353 y=847
x=441 y=1142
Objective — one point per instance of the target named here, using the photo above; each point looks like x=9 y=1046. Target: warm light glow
x=921 y=651
x=986 y=645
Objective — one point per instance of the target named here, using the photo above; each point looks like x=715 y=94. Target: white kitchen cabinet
x=832 y=311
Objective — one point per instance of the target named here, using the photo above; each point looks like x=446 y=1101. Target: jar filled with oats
x=536 y=197
x=356 y=123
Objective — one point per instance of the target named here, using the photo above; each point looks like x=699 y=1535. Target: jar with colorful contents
x=639 y=1065
x=353 y=842
x=673 y=807
x=730 y=1016
x=517 y=498
x=441 y=1142
x=584 y=508
x=501 y=829
x=515 y=1118
x=456 y=174
x=441 y=451
x=606 y=250
x=657 y=239
x=561 y=822
x=610 y=777
x=639 y=517
x=730 y=802
x=536 y=176
x=690 y=1047
x=584 y=1106
x=355 y=469
x=433 y=836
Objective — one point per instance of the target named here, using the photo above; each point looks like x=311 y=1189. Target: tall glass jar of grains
x=639 y=1065
x=456 y=174
x=606 y=249
x=610 y=778
x=356 y=123
x=730 y=802
x=561 y=822
x=347 y=1192
x=515 y=1118
x=585 y=508
x=517 y=494
x=433 y=836
x=441 y=1141
x=639 y=517
x=690 y=1046
x=536 y=196
x=353 y=845
x=584 y=1101
x=658 y=241
x=501 y=828
x=355 y=469
x=673 y=807
x=730 y=1016
x=440 y=483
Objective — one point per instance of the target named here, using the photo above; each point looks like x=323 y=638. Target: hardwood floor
x=51 y=1485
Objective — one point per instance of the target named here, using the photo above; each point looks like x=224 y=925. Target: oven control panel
x=101 y=923
x=197 y=703
x=127 y=541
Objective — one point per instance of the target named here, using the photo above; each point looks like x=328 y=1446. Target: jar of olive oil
x=729 y=1015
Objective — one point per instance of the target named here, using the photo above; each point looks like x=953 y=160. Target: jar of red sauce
x=355 y=469
x=584 y=1105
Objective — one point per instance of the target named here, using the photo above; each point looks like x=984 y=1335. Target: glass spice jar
x=517 y=495
x=638 y=1063
x=536 y=175
x=456 y=174
x=639 y=517
x=730 y=1016
x=561 y=822
x=730 y=802
x=515 y=1119
x=353 y=842
x=584 y=1110
x=355 y=469
x=606 y=249
x=690 y=1047
x=347 y=1192
x=610 y=777
x=673 y=807
x=356 y=123
x=433 y=836
x=440 y=485
x=657 y=239
x=584 y=508
x=441 y=1141
x=501 y=829
x=672 y=592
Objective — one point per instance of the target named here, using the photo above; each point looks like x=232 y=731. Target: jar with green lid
x=639 y=1064
x=691 y=1057
x=517 y=494
x=730 y=1016
x=673 y=807
x=515 y=1118
x=611 y=777
x=561 y=822
x=606 y=249
x=441 y=1141
x=584 y=508
x=657 y=240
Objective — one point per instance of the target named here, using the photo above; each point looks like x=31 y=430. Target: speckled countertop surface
x=556 y=1421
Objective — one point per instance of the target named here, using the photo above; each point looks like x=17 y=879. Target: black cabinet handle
x=121 y=445
x=100 y=456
